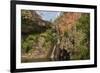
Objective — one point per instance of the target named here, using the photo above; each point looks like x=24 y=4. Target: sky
x=48 y=15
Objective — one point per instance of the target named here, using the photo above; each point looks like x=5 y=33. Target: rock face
x=32 y=22
x=66 y=21
x=64 y=25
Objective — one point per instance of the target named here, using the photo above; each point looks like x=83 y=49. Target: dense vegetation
x=41 y=39
x=82 y=38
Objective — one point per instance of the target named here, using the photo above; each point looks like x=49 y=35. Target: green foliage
x=49 y=39
x=84 y=24
x=82 y=38
x=29 y=42
x=51 y=36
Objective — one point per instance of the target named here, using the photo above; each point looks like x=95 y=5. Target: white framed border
x=20 y=65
